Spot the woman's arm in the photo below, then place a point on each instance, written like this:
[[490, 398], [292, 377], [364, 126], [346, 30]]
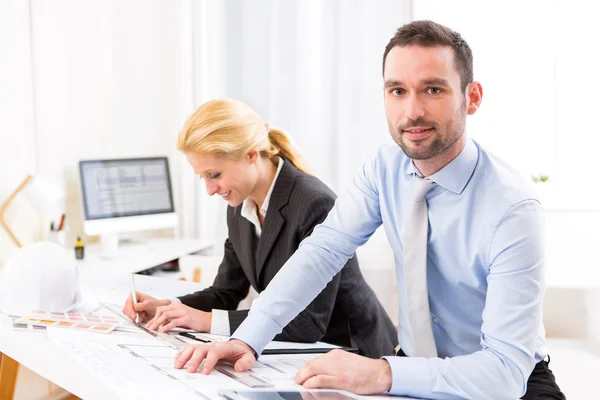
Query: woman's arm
[[230, 287]]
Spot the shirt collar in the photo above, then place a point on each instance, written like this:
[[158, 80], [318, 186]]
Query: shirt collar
[[249, 207], [454, 176]]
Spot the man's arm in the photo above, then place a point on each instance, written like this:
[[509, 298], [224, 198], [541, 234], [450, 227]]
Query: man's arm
[[311, 324], [351, 222], [512, 320]]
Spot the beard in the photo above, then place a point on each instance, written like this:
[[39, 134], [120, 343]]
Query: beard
[[444, 136]]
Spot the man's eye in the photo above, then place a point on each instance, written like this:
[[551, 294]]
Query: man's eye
[[434, 90], [397, 92]]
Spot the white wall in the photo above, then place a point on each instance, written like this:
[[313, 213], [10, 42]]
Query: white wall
[[108, 82], [572, 302], [536, 64]]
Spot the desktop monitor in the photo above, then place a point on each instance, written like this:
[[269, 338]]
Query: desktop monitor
[[126, 195]]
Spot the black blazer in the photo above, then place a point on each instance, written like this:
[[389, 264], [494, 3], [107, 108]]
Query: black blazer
[[345, 313]]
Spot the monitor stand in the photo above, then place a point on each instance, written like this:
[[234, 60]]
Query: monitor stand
[[113, 244], [109, 245]]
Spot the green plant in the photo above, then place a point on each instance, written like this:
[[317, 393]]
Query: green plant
[[540, 178]]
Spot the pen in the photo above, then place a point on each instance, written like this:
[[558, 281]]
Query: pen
[[134, 298], [61, 224], [189, 335]]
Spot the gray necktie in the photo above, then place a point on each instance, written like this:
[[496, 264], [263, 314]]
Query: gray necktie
[[414, 241]]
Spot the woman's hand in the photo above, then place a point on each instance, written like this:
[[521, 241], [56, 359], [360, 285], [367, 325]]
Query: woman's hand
[[146, 306], [179, 315]]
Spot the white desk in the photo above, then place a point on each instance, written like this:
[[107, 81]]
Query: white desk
[[38, 353], [139, 256]]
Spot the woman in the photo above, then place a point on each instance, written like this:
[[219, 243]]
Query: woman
[[274, 203]]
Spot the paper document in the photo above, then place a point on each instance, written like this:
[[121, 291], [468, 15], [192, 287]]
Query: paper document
[[111, 288], [137, 368], [140, 367], [274, 347]]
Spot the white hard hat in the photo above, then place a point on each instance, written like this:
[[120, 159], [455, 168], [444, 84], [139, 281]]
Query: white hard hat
[[40, 276]]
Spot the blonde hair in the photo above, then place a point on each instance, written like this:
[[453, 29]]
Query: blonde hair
[[231, 129]]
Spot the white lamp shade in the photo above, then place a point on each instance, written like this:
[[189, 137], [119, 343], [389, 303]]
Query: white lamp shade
[[43, 196]]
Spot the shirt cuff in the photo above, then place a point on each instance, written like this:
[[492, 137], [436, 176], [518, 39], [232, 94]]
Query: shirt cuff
[[175, 300], [410, 375], [220, 323], [256, 331]]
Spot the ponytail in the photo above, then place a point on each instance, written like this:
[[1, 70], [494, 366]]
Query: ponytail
[[282, 145]]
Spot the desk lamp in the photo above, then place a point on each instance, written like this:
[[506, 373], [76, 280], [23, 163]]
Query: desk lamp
[[41, 194]]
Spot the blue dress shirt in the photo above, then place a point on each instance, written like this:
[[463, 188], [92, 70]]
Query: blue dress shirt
[[485, 272]]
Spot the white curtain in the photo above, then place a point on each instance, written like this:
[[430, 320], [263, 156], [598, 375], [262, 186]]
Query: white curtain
[[18, 152], [312, 68], [88, 80]]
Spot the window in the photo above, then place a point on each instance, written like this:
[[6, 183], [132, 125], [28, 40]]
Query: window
[[536, 62]]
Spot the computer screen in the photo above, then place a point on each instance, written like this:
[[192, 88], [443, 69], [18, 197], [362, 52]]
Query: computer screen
[[127, 187], [126, 195]]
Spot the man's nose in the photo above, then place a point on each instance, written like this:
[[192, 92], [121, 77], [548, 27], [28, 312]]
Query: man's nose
[[414, 108]]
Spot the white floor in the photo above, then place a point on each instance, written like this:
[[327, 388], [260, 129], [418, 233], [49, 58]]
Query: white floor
[[576, 365]]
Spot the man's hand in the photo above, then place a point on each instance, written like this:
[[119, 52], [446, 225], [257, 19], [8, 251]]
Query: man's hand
[[235, 351], [177, 314], [145, 307], [342, 370]]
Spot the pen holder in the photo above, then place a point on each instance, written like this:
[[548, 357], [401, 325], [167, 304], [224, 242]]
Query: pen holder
[[58, 237]]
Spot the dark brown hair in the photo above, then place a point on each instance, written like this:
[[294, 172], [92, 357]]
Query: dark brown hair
[[431, 34]]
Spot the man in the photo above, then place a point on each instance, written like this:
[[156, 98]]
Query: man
[[467, 232]]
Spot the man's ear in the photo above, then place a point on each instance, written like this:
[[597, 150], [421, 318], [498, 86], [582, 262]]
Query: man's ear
[[474, 96]]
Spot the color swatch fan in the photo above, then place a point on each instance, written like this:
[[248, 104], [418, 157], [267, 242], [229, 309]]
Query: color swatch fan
[[81, 322]]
